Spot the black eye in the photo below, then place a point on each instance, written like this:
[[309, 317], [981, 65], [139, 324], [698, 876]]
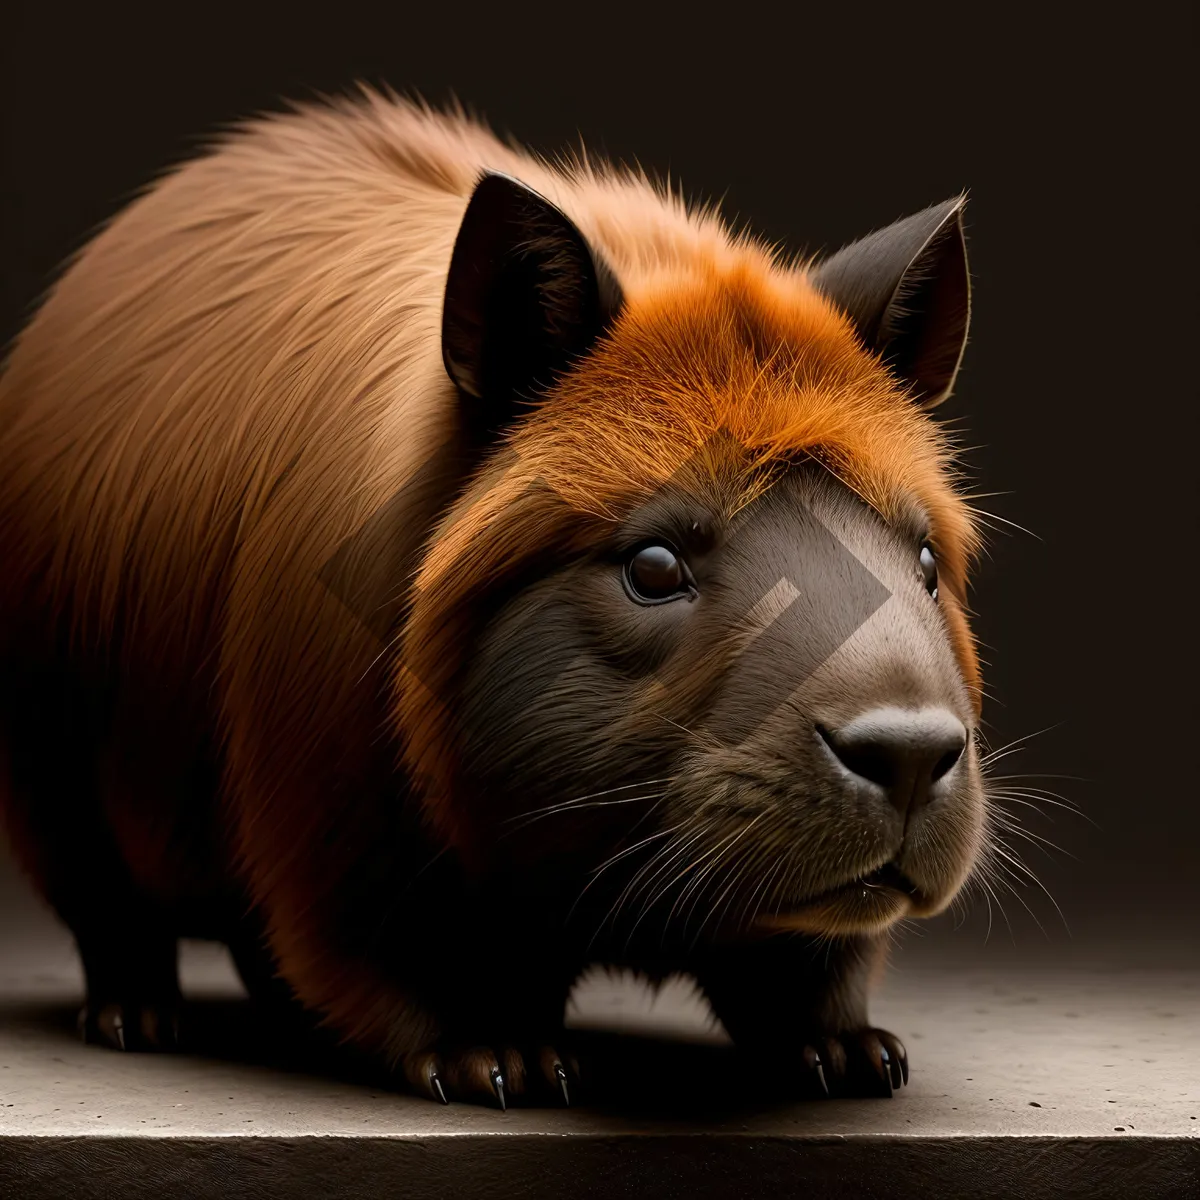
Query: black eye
[[656, 574], [929, 570]]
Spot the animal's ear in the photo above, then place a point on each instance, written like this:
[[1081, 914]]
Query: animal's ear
[[525, 295], [908, 290]]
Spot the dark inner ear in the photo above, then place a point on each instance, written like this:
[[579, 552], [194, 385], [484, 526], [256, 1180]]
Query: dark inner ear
[[525, 295], [908, 290]]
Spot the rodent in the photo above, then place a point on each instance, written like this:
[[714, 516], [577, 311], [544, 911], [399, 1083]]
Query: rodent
[[428, 564]]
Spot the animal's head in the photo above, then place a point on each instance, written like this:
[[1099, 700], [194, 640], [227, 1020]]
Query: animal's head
[[697, 624]]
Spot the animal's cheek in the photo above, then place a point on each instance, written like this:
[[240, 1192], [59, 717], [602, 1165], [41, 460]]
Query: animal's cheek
[[656, 643]]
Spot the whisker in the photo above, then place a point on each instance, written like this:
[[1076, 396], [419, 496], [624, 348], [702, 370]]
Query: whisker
[[703, 867], [991, 516], [558, 806], [1012, 822], [1043, 844], [986, 883], [1007, 883], [764, 890], [709, 742], [656, 864], [988, 899], [1035, 797], [708, 873], [1001, 799], [1011, 747], [658, 797], [696, 865], [737, 878], [1044, 775], [1010, 856], [701, 833], [614, 859]]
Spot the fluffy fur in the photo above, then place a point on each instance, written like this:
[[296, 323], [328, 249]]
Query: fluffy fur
[[243, 369]]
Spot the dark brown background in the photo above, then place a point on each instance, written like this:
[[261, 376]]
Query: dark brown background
[[1072, 131]]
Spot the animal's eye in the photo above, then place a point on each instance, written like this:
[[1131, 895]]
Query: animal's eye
[[655, 574], [929, 570]]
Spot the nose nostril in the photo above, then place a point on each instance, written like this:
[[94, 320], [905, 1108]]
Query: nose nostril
[[864, 757], [870, 762], [947, 762]]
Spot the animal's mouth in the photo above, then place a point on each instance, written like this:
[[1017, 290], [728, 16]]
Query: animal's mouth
[[865, 903], [888, 876]]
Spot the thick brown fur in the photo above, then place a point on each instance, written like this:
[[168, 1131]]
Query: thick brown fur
[[243, 369]]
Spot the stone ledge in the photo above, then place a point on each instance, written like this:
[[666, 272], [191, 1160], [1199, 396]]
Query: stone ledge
[[1025, 1083], [587, 1165]]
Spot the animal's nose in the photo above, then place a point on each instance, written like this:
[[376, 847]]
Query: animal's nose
[[904, 751]]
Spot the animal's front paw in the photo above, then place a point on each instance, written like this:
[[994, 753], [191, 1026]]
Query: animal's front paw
[[127, 1025], [867, 1062], [493, 1073]]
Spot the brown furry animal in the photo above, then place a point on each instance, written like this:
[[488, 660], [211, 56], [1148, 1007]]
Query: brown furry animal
[[427, 564]]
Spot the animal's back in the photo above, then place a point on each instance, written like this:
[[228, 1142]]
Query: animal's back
[[267, 312], [270, 307]]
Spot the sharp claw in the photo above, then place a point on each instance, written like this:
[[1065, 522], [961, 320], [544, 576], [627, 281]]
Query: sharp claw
[[812, 1060], [821, 1078], [435, 1082], [904, 1068], [885, 1061], [118, 1025], [498, 1087], [893, 1067], [560, 1073]]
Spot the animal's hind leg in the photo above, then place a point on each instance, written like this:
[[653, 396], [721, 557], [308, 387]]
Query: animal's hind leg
[[54, 812], [129, 955], [133, 997]]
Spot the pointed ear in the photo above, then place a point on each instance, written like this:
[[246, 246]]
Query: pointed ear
[[908, 291], [524, 296]]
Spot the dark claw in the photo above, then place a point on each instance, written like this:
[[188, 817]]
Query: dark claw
[[165, 1034], [102, 1026], [498, 1087], [435, 1082], [560, 1073], [899, 1061], [812, 1060], [821, 1078], [885, 1072]]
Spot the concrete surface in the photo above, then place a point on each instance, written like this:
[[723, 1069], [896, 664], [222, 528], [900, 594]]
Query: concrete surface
[[1079, 1082]]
